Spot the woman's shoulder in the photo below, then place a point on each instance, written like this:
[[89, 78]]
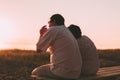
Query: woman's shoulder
[[84, 39], [84, 36]]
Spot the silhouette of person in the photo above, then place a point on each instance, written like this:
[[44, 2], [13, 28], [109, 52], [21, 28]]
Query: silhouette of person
[[65, 58], [90, 60]]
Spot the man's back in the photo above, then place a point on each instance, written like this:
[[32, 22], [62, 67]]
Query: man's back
[[66, 58]]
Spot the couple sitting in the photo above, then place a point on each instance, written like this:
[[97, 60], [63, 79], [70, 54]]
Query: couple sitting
[[71, 56]]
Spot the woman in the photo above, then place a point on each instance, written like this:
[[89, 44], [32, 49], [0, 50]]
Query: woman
[[90, 61]]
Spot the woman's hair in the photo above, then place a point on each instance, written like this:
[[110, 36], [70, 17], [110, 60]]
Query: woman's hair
[[75, 30], [58, 19]]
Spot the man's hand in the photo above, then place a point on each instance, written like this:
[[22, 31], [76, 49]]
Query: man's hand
[[43, 30]]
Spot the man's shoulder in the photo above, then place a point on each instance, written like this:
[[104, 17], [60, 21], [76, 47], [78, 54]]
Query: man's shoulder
[[56, 28]]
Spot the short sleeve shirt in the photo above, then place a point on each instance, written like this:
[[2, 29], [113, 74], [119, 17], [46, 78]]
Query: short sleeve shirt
[[65, 58]]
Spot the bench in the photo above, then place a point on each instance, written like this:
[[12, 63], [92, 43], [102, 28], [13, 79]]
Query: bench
[[106, 73]]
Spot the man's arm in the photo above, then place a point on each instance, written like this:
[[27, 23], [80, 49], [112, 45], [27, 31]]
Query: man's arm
[[46, 40], [42, 32]]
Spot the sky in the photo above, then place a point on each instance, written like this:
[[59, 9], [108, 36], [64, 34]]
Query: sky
[[21, 20]]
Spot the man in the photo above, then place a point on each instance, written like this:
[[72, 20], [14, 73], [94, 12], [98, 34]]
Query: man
[[65, 61]]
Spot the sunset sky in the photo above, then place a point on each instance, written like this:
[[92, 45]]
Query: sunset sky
[[20, 20]]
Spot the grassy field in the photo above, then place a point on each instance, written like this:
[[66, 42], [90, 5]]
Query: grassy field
[[18, 64]]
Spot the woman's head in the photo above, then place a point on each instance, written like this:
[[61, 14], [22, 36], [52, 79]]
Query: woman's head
[[75, 30]]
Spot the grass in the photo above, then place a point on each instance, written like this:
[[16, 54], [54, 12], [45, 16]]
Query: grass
[[18, 64], [109, 57]]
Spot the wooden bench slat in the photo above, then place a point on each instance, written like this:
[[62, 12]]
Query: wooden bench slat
[[117, 71], [108, 71], [109, 68], [103, 73], [99, 76]]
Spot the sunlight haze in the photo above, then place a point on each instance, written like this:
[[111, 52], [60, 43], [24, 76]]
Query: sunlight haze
[[21, 20]]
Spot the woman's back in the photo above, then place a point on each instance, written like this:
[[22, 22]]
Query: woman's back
[[89, 56]]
